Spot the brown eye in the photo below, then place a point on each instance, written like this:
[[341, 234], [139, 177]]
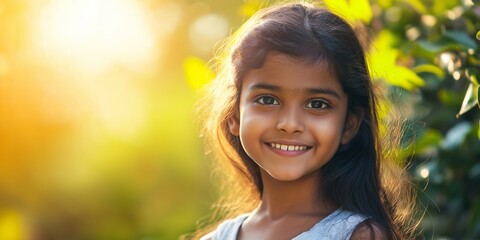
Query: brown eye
[[267, 100], [317, 104]]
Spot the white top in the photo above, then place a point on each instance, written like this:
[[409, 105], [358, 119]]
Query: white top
[[339, 225]]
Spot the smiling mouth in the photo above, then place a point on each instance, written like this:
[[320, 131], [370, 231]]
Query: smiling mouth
[[289, 147]]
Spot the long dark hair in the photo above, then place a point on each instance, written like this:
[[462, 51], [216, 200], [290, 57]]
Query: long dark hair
[[358, 177]]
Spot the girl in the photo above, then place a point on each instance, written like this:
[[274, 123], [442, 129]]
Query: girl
[[294, 117]]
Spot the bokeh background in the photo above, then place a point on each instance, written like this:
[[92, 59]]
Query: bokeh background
[[97, 137]]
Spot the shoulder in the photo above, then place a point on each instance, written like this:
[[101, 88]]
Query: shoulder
[[368, 230], [208, 236], [338, 225], [227, 229]]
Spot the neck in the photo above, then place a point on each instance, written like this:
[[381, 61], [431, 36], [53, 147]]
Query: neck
[[298, 197]]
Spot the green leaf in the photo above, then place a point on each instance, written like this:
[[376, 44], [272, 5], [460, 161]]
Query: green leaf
[[417, 5], [470, 100], [385, 3], [473, 60], [456, 135], [361, 10], [475, 171], [478, 131], [434, 47], [472, 75], [450, 98], [382, 63], [440, 7], [474, 212], [430, 47], [407, 77], [351, 10], [462, 38], [197, 72], [474, 80], [430, 68], [442, 45], [428, 140], [341, 8], [385, 40]]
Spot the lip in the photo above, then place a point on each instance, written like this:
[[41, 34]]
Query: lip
[[288, 147]]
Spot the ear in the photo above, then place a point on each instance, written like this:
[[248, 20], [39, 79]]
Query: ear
[[352, 124], [234, 124]]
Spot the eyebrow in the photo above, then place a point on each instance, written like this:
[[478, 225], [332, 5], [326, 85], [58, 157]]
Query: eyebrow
[[324, 91], [327, 91]]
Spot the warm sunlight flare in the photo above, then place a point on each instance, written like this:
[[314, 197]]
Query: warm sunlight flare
[[206, 31], [94, 35], [424, 172], [99, 49]]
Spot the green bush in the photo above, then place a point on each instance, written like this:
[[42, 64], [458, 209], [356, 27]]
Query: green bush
[[439, 41]]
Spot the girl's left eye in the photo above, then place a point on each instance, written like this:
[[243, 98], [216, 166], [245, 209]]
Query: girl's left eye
[[317, 104], [267, 100]]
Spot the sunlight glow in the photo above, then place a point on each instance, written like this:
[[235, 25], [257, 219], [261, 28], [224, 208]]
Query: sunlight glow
[[429, 20], [424, 172], [94, 35], [206, 31], [4, 65], [12, 225], [468, 3], [455, 13], [413, 33], [123, 107], [456, 75], [446, 61]]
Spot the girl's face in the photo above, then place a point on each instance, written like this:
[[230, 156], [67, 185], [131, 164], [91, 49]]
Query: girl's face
[[292, 117]]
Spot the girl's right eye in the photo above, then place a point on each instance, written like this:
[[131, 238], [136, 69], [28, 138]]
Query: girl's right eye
[[267, 100]]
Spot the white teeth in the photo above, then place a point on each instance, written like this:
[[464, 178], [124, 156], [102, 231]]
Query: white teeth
[[288, 147]]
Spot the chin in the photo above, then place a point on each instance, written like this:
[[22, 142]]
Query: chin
[[286, 176], [291, 174]]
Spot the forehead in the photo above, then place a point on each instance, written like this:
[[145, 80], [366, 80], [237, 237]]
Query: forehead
[[289, 73]]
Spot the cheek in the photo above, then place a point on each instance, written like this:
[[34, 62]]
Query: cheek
[[329, 129], [252, 120], [251, 129]]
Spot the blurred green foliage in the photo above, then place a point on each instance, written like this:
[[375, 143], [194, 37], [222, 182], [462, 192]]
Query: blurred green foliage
[[438, 42], [441, 46], [428, 54]]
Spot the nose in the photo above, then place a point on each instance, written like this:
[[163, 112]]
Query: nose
[[290, 120]]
